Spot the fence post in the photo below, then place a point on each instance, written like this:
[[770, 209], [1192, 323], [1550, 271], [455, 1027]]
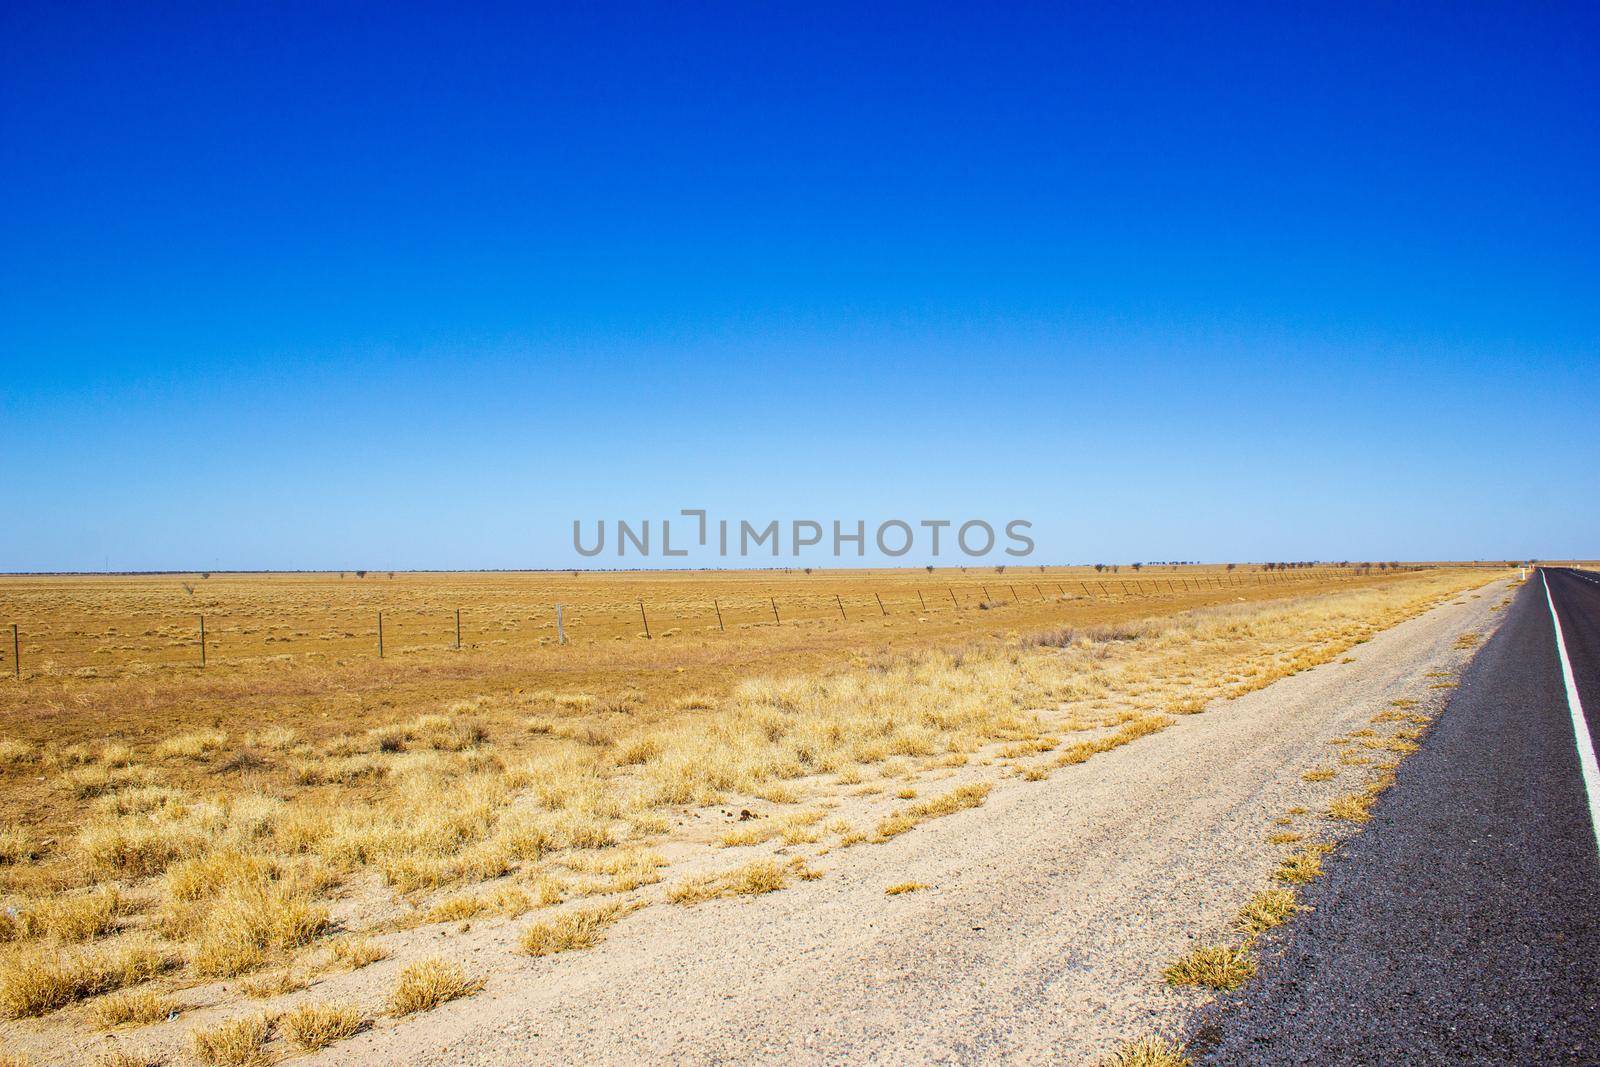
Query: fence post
[[775, 611], [1014, 598], [645, 617], [880, 604], [839, 602], [202, 642], [458, 629], [380, 635], [985, 593], [718, 607], [1036, 589], [561, 632], [16, 652], [953, 599], [924, 603]]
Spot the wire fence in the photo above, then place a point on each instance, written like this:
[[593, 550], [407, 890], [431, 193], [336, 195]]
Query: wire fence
[[241, 634]]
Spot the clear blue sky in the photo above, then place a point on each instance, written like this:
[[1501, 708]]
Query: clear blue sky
[[388, 286]]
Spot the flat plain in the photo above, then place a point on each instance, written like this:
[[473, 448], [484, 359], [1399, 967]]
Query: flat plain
[[301, 841]]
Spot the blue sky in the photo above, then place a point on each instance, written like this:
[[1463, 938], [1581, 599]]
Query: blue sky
[[392, 286]]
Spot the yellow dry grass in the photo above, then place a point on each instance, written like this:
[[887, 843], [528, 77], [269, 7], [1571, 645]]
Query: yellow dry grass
[[137, 1007], [577, 928], [314, 1026], [1151, 1050], [162, 817], [1266, 910], [239, 1042], [1213, 966], [429, 983]]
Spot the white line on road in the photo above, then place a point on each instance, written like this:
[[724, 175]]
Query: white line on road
[[1580, 726]]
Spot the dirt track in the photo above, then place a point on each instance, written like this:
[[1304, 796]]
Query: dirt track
[[1050, 914]]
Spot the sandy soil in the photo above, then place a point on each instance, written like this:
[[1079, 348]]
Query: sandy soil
[[1049, 914]]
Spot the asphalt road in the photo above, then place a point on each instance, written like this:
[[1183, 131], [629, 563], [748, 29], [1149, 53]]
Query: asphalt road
[[1463, 924]]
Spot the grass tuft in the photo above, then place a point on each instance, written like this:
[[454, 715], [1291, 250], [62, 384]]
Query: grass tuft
[[573, 929], [314, 1026], [237, 1042], [1357, 808], [1303, 867], [429, 983], [1264, 911], [138, 1007], [1213, 966], [1152, 1050]]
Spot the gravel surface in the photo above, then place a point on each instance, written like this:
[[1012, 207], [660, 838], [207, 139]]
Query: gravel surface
[[1463, 925], [1050, 914]]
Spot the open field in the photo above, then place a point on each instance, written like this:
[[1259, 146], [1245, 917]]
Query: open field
[[189, 848]]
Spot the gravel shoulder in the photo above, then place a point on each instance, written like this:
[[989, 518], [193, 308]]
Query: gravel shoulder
[[1049, 914]]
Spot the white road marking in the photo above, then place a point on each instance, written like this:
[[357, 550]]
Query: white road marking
[[1580, 726]]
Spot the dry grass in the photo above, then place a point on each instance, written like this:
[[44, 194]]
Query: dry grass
[[237, 1042], [426, 984], [353, 953], [1152, 1050], [1213, 966], [905, 887], [1320, 774], [118, 1058], [1264, 911], [40, 980], [572, 929], [752, 879], [1303, 867], [314, 1026], [268, 986], [1356, 808], [136, 1007]]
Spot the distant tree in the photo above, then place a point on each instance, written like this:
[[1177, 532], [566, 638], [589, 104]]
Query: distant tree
[[361, 574], [929, 568], [1232, 565], [1137, 567], [808, 570], [205, 574], [1001, 569], [1099, 568]]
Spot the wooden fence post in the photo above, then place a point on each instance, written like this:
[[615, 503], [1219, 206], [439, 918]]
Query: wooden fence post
[[380, 635], [16, 652], [839, 602], [202, 642], [458, 629], [953, 599], [718, 608], [924, 603], [645, 617], [775, 611], [880, 604], [561, 630]]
